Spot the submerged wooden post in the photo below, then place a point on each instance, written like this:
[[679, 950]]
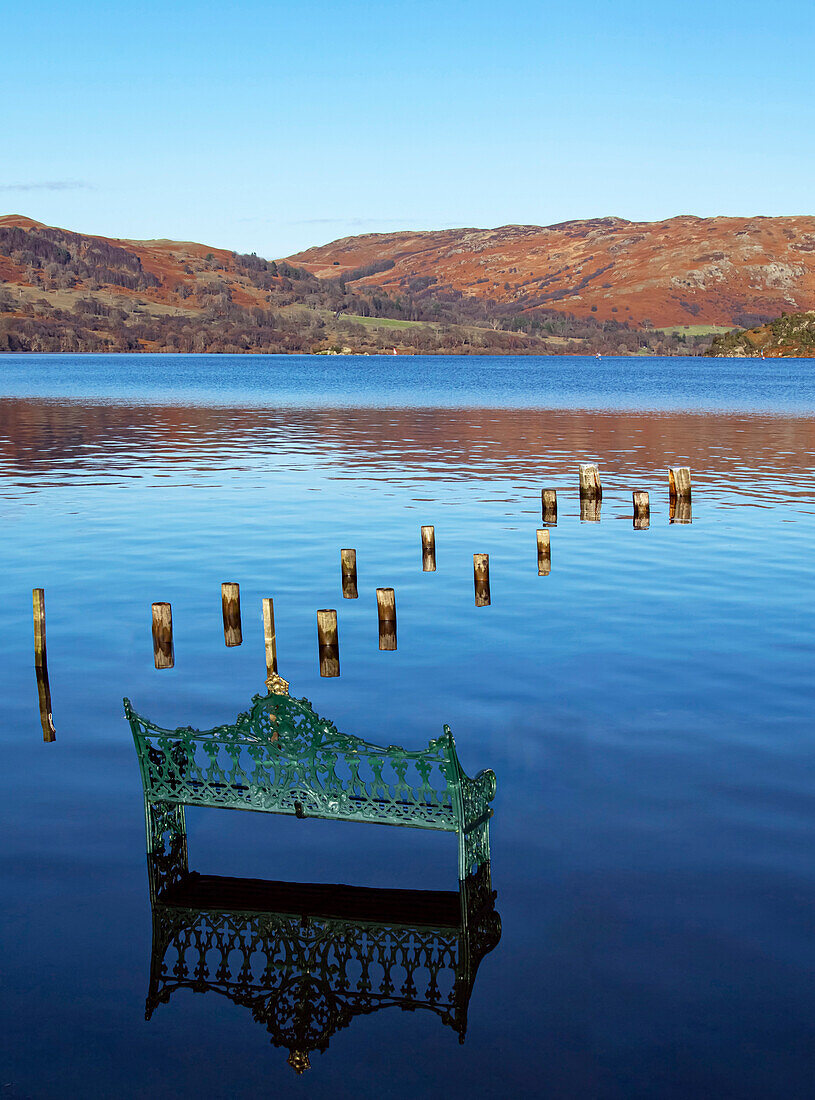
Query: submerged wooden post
[[679, 482], [429, 549], [591, 492], [348, 567], [679, 489], [544, 553], [163, 651], [327, 627], [44, 691], [590, 487], [386, 604], [386, 612], [328, 642], [231, 602], [269, 636], [642, 510], [549, 505], [38, 596], [481, 579], [41, 665]]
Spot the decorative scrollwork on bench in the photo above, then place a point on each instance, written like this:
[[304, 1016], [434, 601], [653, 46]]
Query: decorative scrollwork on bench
[[282, 757]]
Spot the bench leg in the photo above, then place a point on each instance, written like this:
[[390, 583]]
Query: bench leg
[[166, 845], [473, 849]]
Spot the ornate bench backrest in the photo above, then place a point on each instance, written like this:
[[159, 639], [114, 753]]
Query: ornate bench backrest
[[282, 757]]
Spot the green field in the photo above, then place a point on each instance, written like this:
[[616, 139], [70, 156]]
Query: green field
[[695, 330], [368, 322], [383, 322]]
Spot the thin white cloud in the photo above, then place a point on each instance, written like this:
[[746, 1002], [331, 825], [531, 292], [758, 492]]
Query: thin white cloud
[[47, 185]]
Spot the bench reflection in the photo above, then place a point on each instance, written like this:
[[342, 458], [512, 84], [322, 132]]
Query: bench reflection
[[305, 959]]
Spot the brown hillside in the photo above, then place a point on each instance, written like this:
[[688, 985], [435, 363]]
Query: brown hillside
[[686, 270], [62, 291], [175, 264]]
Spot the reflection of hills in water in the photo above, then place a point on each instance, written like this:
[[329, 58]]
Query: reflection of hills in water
[[117, 439], [306, 959]]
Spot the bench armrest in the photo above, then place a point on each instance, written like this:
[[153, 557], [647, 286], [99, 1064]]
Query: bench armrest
[[476, 796]]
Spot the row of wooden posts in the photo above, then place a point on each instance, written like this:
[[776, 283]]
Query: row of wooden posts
[[327, 629], [591, 493]]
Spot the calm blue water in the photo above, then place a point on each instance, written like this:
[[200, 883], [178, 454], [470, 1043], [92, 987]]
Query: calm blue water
[[647, 707], [419, 381]]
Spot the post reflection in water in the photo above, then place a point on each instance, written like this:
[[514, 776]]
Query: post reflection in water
[[590, 508], [307, 958], [387, 634], [329, 660], [44, 692], [680, 510]]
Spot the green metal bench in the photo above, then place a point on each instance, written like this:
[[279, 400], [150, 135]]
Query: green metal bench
[[282, 757]]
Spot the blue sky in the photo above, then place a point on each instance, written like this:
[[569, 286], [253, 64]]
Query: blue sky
[[269, 127]]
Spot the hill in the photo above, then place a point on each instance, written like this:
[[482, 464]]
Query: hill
[[72, 292], [683, 271], [789, 336], [604, 285]]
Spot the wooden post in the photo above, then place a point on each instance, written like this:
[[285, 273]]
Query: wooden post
[[481, 579], [328, 642], [642, 510], [348, 567], [386, 604], [327, 633], [679, 483], [386, 611], [231, 602], [44, 691], [38, 595], [590, 487], [544, 553], [429, 549], [679, 490], [549, 505], [163, 651], [41, 665], [269, 636]]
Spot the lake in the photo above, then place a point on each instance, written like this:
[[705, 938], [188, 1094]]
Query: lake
[[646, 707]]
